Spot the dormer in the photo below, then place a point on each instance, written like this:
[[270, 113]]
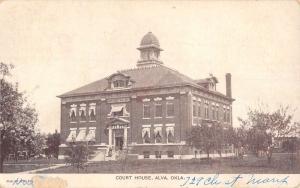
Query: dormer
[[118, 81], [209, 83]]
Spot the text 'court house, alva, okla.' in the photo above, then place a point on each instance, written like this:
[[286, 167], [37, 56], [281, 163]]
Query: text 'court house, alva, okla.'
[[144, 112]]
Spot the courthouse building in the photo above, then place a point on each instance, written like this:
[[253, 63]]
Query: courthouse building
[[146, 111]]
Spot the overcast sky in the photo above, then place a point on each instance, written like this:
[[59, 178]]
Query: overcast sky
[[59, 46]]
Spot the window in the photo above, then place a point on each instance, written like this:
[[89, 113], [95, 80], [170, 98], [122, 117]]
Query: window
[[170, 154], [217, 113], [194, 110], [213, 112], [119, 83], [118, 110], [224, 114], [72, 135], [146, 135], [82, 112], [228, 116], [199, 110], [158, 134], [91, 136], [92, 115], [194, 121], [72, 114], [158, 110], [170, 109], [118, 113], [206, 111], [92, 112], [170, 134], [146, 154], [158, 154], [146, 111], [81, 135]]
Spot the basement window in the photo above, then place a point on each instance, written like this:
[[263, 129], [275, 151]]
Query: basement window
[[158, 154], [146, 154], [170, 154]]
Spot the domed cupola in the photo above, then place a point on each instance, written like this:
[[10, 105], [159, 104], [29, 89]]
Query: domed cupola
[[149, 39], [149, 51]]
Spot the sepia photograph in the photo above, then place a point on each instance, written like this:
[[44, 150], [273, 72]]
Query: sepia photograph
[[129, 88]]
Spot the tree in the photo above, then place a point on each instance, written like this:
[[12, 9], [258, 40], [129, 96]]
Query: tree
[[264, 125], [37, 145], [77, 156], [289, 145], [207, 137], [16, 115], [53, 142], [258, 139]]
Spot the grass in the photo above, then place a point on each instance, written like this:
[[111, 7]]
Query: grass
[[35, 161], [281, 163], [12, 166]]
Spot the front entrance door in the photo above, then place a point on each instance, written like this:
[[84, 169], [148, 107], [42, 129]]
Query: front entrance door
[[119, 143]]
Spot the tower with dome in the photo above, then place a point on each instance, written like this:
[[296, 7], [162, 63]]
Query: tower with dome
[[144, 112], [150, 51]]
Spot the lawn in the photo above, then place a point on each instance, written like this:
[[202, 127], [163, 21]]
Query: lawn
[[12, 166], [281, 163]]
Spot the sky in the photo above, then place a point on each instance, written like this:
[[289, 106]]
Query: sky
[[57, 46]]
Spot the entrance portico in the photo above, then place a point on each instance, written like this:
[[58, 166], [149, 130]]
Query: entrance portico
[[117, 133]]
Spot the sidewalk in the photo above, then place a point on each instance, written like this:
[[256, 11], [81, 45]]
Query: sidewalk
[[42, 169]]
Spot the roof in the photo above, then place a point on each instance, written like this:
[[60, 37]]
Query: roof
[[143, 77], [202, 81], [149, 39]]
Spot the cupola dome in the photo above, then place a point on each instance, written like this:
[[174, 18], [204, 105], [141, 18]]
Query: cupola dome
[[149, 51], [149, 39]]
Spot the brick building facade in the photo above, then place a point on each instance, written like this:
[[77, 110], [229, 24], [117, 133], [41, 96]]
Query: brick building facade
[[146, 111]]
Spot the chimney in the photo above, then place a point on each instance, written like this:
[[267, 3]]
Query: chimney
[[228, 85]]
